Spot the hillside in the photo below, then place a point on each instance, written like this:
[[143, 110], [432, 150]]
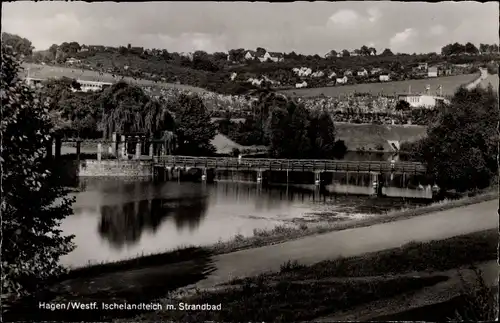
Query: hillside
[[46, 71]]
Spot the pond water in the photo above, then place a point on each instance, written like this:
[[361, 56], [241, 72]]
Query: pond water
[[117, 219]]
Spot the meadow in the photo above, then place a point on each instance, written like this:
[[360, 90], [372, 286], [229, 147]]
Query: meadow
[[449, 84], [370, 136]]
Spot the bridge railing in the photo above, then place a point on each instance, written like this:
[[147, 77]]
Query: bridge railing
[[290, 164]]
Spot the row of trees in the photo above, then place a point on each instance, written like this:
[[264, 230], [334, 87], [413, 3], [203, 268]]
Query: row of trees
[[287, 128], [126, 108], [468, 49]]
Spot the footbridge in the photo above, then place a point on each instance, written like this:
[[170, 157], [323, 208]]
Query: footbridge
[[294, 165]]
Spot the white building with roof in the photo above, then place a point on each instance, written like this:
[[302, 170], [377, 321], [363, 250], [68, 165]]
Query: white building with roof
[[422, 100]]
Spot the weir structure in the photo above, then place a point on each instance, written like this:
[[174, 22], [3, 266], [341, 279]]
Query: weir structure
[[376, 176], [380, 178]]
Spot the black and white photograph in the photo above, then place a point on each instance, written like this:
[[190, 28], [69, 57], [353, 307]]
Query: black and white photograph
[[249, 161]]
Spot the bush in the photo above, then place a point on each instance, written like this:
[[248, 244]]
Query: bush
[[31, 241]]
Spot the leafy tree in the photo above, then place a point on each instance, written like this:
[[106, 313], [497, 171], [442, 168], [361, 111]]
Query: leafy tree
[[20, 45], [332, 53], [288, 131], [372, 50], [470, 48], [402, 105], [53, 50], [260, 51], [322, 136], [220, 56], [364, 50], [126, 108], [387, 52], [345, 53], [237, 55], [460, 148], [33, 201], [194, 127]]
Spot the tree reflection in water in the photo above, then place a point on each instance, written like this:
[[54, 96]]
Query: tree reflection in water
[[124, 224]]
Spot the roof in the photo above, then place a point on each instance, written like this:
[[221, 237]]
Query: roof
[[276, 54]]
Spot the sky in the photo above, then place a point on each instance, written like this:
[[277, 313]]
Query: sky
[[303, 27]]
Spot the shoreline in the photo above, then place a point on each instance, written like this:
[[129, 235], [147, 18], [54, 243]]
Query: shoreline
[[260, 238]]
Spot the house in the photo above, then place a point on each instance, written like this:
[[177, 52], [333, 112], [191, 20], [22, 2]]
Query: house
[[372, 53], [342, 80], [332, 75], [432, 71], [301, 85], [303, 71], [275, 57], [249, 55], [348, 73], [420, 100], [423, 66], [318, 74], [363, 72], [384, 78], [90, 86], [72, 60]]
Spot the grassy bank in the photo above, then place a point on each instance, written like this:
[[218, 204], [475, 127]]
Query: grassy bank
[[276, 235], [305, 293]]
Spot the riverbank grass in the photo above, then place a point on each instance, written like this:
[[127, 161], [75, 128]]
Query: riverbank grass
[[299, 292]]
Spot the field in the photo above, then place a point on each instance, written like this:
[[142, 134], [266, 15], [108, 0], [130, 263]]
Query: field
[[45, 71], [369, 136], [449, 83]]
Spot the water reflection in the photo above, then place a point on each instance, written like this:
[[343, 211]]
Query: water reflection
[[117, 219], [124, 224]]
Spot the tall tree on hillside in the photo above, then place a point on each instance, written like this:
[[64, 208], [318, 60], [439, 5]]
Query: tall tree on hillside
[[345, 53], [387, 52], [260, 51], [364, 50], [237, 55], [220, 56], [332, 53], [33, 201], [194, 127], [470, 48]]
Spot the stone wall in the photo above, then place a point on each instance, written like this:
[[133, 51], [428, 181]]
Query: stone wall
[[115, 168]]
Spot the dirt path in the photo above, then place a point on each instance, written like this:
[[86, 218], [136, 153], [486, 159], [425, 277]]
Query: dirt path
[[352, 242]]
